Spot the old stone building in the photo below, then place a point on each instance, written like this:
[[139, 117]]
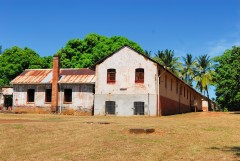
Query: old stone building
[[129, 83], [57, 89], [125, 83]]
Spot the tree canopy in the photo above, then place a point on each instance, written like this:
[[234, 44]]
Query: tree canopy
[[227, 79], [166, 58], [84, 53], [15, 60], [189, 69]]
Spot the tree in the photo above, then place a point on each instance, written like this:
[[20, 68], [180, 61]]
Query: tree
[[84, 53], [166, 58], [15, 60], [205, 74], [227, 79], [147, 53], [189, 69]]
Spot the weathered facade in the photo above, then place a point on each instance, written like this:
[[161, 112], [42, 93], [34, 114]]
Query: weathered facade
[[129, 83], [125, 83], [69, 89]]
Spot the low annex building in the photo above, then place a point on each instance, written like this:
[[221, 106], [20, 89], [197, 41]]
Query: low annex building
[[125, 83], [56, 89], [6, 93]]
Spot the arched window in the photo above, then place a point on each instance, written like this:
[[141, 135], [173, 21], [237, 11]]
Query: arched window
[[139, 75], [111, 75]]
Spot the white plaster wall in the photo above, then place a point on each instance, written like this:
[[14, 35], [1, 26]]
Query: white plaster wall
[[125, 62], [7, 91], [82, 96], [20, 95], [125, 103]]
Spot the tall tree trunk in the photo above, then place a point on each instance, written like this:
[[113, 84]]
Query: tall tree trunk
[[209, 105]]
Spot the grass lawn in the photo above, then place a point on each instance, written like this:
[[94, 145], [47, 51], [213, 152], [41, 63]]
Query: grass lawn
[[193, 136]]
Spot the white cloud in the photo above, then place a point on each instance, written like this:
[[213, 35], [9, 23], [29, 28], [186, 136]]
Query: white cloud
[[218, 47]]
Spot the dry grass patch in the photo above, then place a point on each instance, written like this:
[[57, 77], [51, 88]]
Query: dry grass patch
[[192, 136]]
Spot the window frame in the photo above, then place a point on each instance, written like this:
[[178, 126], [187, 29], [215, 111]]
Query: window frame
[[48, 93], [137, 108], [110, 107], [139, 75], [111, 73], [67, 97], [31, 98]]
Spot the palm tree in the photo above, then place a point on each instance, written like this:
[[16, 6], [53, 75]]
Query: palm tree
[[147, 53], [166, 58], [205, 74], [189, 69]]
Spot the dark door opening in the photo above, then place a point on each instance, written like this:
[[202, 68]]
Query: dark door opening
[[138, 108], [110, 107], [8, 101]]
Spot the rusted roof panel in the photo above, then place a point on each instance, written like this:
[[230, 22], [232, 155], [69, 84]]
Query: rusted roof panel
[[83, 71], [32, 76], [44, 76], [72, 79]]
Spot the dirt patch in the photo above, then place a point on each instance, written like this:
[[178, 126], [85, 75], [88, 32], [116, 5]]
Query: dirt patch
[[97, 123], [7, 121], [141, 130]]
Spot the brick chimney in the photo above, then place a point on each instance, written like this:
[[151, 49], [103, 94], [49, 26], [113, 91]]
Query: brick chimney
[[55, 79]]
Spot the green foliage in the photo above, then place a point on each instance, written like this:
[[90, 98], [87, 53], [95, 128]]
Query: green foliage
[[205, 73], [147, 53], [84, 53], [225, 109], [166, 58], [227, 79], [189, 69], [15, 60]]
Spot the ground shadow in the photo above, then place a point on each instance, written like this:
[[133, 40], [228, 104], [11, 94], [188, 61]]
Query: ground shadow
[[237, 112], [234, 149]]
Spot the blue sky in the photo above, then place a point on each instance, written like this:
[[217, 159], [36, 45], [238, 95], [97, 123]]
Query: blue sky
[[186, 26]]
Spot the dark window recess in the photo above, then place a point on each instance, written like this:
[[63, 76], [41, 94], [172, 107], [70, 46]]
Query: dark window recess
[[184, 91], [159, 75], [67, 95], [138, 108], [30, 95], [110, 107], [48, 95], [111, 75], [165, 81], [176, 86], [139, 75], [180, 89]]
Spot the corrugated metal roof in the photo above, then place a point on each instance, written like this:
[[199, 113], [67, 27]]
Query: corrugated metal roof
[[44, 76], [77, 79], [73, 76], [32, 76]]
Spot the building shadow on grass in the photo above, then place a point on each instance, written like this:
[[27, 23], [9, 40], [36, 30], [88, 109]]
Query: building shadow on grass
[[234, 149]]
